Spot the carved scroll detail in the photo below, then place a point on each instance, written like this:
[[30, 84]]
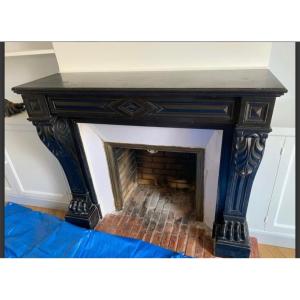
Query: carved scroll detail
[[249, 149], [55, 134]]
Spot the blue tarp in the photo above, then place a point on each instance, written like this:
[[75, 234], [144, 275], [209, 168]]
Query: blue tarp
[[34, 234]]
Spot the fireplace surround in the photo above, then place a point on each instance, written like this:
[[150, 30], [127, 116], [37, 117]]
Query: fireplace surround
[[95, 138], [239, 102]]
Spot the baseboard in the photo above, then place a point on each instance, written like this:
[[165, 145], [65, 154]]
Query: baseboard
[[274, 238], [25, 200]]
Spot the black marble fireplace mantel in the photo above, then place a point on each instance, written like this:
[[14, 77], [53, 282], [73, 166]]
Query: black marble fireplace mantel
[[239, 102]]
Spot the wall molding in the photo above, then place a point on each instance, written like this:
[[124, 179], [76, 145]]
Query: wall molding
[[274, 238], [36, 200]]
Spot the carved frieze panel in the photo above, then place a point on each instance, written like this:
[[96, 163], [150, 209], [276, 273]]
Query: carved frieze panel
[[221, 110]]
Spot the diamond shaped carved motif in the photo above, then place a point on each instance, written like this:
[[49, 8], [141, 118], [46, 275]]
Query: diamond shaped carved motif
[[134, 108], [130, 108], [256, 112]]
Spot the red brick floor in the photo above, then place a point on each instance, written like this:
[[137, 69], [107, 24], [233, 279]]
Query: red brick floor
[[166, 218]]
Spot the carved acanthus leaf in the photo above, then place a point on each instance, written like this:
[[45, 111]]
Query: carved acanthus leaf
[[248, 152]]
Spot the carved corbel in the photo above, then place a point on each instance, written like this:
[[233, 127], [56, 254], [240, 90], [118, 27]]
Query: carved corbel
[[247, 151], [58, 136], [248, 148]]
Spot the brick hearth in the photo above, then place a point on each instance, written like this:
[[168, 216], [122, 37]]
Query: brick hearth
[[165, 217]]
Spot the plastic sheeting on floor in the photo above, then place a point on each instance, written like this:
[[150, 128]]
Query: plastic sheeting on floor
[[30, 233]]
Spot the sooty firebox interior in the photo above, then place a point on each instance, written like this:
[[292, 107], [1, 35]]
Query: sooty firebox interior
[[174, 170]]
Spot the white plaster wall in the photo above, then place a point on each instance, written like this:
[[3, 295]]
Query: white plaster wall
[[131, 56], [93, 136], [282, 64], [21, 69]]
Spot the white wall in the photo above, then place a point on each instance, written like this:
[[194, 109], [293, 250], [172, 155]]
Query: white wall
[[130, 56], [282, 64], [21, 69]]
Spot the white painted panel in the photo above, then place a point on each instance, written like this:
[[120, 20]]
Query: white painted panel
[[281, 216], [286, 211], [263, 184], [159, 136], [96, 157], [271, 213], [12, 185], [7, 185], [6, 181], [129, 56], [36, 169], [211, 176]]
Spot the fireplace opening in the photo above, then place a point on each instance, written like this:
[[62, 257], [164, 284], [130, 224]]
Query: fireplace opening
[[157, 178]]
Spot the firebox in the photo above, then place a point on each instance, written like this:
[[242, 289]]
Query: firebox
[[177, 170]]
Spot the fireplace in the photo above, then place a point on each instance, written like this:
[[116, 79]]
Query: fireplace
[[239, 103]]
